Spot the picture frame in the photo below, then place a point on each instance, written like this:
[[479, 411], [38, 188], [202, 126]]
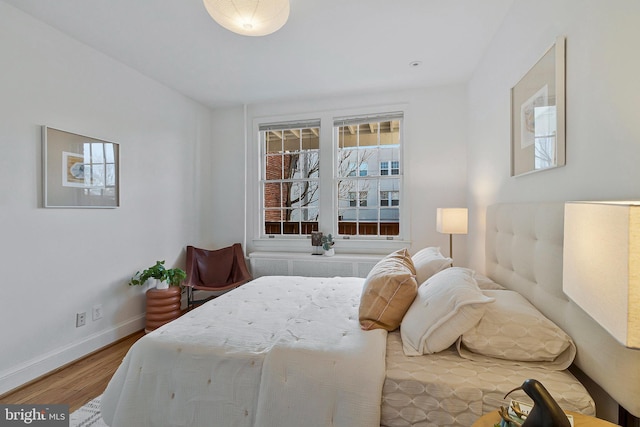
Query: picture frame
[[538, 114], [316, 242], [79, 171]]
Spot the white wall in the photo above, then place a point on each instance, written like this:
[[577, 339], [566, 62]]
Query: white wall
[[602, 94], [57, 262], [225, 223], [435, 138]]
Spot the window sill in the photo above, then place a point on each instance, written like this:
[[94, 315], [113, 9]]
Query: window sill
[[342, 246]]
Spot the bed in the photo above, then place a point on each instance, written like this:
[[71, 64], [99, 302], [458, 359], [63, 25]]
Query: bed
[[288, 351]]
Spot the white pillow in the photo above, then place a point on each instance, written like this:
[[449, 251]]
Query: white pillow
[[429, 261], [447, 305], [486, 283], [513, 329]]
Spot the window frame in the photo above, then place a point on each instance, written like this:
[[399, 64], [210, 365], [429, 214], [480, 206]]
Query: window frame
[[283, 182], [328, 221]]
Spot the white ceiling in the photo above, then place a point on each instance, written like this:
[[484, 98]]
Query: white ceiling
[[327, 47]]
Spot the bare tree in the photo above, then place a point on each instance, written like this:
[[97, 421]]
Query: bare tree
[[307, 166]]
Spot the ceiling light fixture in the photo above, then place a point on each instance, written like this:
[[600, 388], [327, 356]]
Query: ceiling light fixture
[[249, 17]]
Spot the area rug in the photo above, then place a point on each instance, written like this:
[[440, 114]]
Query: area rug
[[88, 415]]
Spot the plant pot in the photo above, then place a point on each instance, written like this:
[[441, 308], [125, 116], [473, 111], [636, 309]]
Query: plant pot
[[329, 252], [157, 284], [163, 306]]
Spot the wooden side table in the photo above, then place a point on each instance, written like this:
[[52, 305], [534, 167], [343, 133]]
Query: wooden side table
[[579, 420], [163, 306]]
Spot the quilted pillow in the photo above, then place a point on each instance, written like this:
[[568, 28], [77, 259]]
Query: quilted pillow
[[486, 283], [513, 329], [389, 289], [448, 304], [429, 261]]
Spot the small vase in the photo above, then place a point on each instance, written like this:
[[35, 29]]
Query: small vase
[[329, 252], [157, 284]]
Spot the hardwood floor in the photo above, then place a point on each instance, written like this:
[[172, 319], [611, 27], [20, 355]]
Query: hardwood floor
[[76, 383]]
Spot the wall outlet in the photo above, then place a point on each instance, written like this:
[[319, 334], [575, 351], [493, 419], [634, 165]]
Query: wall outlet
[[81, 319], [96, 312]]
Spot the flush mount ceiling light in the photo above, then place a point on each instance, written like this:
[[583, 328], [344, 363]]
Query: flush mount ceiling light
[[249, 17]]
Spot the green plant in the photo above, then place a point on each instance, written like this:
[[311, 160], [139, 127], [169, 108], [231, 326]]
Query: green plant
[[327, 242], [173, 276]]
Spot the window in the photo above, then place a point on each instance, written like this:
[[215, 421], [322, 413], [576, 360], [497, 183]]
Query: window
[[384, 168], [361, 169], [290, 179], [99, 169], [358, 198], [395, 168], [368, 202], [389, 198], [342, 176]]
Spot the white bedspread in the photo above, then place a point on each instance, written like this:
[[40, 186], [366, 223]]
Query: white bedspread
[[276, 352]]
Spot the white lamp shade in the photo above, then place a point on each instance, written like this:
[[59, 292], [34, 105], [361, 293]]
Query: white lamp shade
[[452, 220], [601, 264], [249, 17]]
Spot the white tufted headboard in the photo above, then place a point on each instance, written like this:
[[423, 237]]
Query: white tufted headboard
[[524, 253]]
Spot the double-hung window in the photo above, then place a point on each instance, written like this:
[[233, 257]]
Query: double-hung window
[[290, 178], [368, 200], [347, 182]]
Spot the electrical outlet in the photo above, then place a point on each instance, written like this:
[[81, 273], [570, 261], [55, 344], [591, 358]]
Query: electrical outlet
[[81, 319], [96, 312]]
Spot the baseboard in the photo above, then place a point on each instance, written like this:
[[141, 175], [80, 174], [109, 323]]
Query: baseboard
[[48, 362]]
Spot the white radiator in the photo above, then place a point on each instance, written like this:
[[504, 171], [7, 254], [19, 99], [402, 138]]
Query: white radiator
[[301, 264]]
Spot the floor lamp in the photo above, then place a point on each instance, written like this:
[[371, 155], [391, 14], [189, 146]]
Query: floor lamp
[[452, 221]]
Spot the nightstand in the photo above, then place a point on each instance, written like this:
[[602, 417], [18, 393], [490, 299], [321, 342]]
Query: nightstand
[[490, 419]]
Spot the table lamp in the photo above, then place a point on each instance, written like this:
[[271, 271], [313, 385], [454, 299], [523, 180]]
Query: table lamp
[[601, 265]]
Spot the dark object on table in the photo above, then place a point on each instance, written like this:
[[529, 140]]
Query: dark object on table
[[545, 411]]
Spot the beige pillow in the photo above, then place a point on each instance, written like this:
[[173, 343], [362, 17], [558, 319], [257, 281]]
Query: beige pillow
[[513, 329], [389, 290], [448, 304], [429, 261]]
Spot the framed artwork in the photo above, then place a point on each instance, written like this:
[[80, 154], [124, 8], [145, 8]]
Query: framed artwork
[[538, 114], [316, 242], [79, 171]]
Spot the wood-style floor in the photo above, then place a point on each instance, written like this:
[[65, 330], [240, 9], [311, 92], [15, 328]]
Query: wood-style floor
[[76, 383]]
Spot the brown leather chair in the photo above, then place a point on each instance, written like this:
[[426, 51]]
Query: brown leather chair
[[214, 271]]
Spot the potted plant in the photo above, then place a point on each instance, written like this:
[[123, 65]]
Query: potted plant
[[162, 276], [163, 301], [327, 245]]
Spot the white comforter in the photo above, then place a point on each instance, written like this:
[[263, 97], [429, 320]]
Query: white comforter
[[276, 352]]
